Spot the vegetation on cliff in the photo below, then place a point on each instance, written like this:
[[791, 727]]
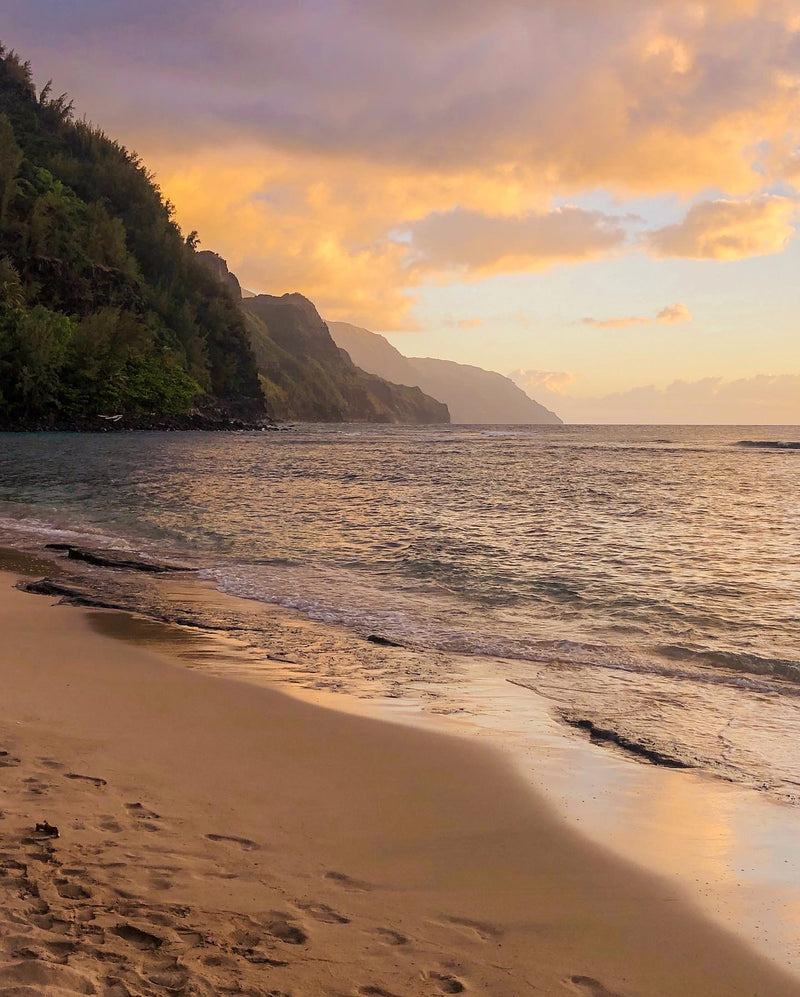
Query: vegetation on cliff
[[306, 376], [104, 306]]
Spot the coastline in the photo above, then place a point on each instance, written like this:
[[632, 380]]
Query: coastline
[[299, 849]]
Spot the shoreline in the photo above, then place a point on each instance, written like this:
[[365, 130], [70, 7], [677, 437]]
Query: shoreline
[[317, 816], [727, 850]]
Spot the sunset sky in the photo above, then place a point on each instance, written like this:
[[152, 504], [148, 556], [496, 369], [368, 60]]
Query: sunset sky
[[598, 195]]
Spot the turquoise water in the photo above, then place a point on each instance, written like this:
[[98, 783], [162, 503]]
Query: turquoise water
[[619, 570]]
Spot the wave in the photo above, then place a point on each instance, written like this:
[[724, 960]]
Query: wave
[[409, 617], [737, 661], [770, 444], [20, 532]]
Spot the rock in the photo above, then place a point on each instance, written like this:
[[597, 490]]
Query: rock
[[383, 641], [113, 559]]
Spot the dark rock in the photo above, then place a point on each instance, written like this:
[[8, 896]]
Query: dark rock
[[112, 559], [208, 415], [383, 641], [219, 268], [68, 593], [605, 735]]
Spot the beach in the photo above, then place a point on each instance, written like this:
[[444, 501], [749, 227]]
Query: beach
[[218, 837]]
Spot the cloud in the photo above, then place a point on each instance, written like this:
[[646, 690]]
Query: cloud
[[303, 224], [475, 243], [764, 399], [618, 322], [725, 229], [464, 323], [297, 135], [631, 95], [669, 315], [552, 381]]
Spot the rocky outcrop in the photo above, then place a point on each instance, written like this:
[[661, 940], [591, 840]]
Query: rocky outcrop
[[473, 395], [114, 559], [209, 415], [306, 376], [219, 267]]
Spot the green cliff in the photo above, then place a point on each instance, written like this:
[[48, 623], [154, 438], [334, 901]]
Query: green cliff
[[107, 310], [306, 376], [103, 306]]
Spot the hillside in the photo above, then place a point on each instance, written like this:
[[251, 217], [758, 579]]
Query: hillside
[[473, 395], [306, 376], [103, 305]]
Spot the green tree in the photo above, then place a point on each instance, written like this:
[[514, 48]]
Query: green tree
[[11, 157], [33, 347]]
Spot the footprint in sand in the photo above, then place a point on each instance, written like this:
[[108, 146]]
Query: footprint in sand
[[35, 786], [138, 937], [588, 986], [246, 843], [50, 763], [93, 779], [392, 937], [7, 760], [447, 983], [190, 937], [109, 824], [286, 932], [324, 913], [372, 991], [140, 811], [485, 931], [348, 882], [71, 891], [146, 818], [172, 978], [160, 883], [32, 976]]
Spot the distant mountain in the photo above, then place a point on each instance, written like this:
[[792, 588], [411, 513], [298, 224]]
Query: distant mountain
[[473, 395], [305, 376]]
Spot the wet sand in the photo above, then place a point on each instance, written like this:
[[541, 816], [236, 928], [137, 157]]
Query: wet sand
[[218, 837]]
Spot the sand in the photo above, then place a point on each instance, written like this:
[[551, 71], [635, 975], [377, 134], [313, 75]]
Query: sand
[[217, 837]]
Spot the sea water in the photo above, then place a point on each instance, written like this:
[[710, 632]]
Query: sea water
[[639, 584], [644, 580]]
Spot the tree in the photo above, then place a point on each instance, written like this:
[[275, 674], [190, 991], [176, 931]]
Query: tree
[[11, 157]]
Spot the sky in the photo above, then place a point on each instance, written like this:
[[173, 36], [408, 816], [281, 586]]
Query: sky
[[600, 196]]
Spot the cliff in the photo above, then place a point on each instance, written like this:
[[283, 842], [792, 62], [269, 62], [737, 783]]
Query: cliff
[[472, 395], [104, 306], [306, 376]]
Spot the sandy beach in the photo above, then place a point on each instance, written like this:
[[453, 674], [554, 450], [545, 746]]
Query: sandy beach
[[217, 837]]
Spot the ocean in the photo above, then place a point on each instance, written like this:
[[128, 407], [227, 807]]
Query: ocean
[[644, 581]]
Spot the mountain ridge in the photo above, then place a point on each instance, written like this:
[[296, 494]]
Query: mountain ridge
[[474, 396], [292, 344], [304, 375]]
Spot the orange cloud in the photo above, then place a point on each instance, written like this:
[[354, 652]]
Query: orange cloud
[[321, 228], [672, 314], [669, 315], [725, 229], [537, 381], [471, 242], [355, 181]]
